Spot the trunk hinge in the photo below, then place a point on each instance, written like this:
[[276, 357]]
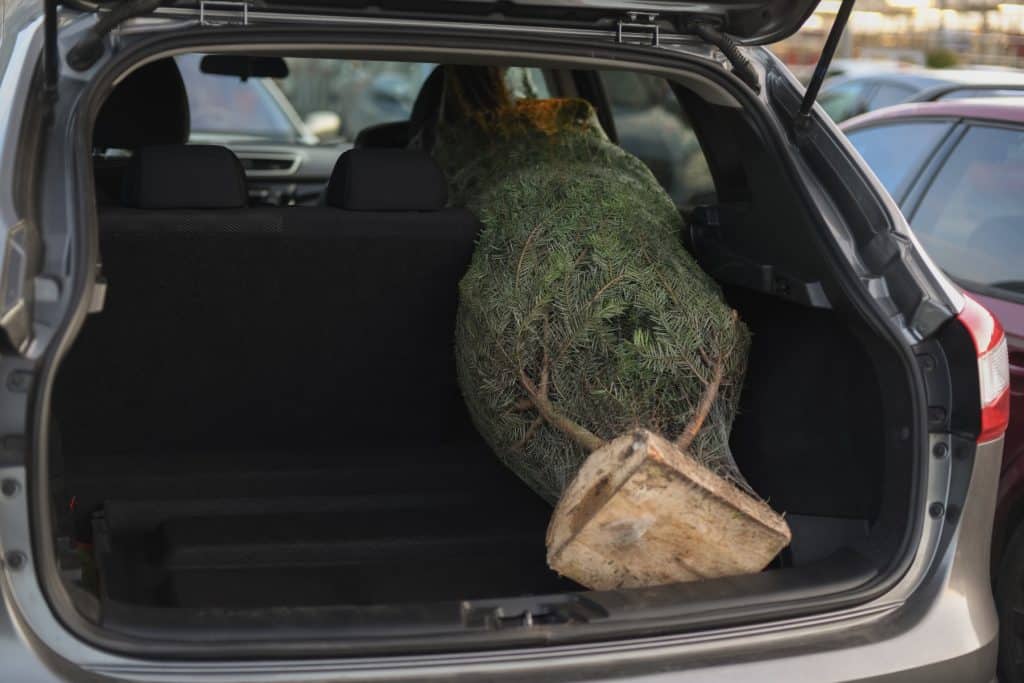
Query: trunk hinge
[[803, 116], [226, 13], [638, 28]]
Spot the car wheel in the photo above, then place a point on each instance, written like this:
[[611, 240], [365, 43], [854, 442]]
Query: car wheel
[[1010, 604]]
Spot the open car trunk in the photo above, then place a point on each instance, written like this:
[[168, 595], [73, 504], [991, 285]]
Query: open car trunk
[[222, 449], [262, 426]]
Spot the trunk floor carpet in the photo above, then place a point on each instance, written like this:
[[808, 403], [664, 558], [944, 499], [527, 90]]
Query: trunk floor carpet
[[313, 530]]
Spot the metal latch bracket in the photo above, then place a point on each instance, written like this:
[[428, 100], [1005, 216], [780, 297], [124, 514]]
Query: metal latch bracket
[[638, 28], [216, 13]]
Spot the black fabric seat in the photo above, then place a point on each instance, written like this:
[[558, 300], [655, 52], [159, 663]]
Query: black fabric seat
[[167, 360], [231, 329], [149, 107], [265, 412], [374, 295]]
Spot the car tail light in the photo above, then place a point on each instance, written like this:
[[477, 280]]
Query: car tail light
[[993, 368]]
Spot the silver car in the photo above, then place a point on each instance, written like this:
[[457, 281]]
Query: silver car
[[232, 445]]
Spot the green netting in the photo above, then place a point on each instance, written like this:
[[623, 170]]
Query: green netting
[[581, 315]]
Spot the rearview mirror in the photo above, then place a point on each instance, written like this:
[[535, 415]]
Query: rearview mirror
[[244, 66], [324, 124]]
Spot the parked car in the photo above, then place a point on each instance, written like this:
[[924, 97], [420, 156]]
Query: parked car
[[233, 445], [846, 96], [957, 171], [848, 67]]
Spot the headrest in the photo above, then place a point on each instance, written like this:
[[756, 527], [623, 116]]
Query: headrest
[[393, 135], [386, 180], [428, 100], [423, 118], [149, 107], [185, 177], [427, 109]]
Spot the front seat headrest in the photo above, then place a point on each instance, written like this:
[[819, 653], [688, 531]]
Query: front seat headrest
[[386, 180], [149, 107], [397, 134], [428, 100], [185, 177], [393, 135]]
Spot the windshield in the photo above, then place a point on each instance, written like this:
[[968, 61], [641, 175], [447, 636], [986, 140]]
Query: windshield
[[227, 107]]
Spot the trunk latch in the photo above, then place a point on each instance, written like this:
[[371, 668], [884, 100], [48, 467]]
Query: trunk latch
[[494, 615], [638, 28]]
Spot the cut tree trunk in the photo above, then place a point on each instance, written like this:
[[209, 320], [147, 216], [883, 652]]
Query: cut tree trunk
[[640, 512]]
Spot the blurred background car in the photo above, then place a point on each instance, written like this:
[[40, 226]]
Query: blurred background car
[[870, 89], [956, 169], [847, 67]]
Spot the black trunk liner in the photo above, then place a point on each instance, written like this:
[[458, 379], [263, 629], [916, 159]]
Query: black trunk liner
[[441, 524]]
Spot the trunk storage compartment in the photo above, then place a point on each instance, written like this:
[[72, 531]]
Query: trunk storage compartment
[[430, 533], [337, 519], [261, 435]]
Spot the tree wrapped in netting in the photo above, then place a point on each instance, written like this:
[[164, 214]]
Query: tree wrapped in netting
[[581, 315]]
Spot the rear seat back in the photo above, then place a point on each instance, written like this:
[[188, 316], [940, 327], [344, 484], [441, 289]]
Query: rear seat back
[[376, 297], [190, 277], [227, 327]]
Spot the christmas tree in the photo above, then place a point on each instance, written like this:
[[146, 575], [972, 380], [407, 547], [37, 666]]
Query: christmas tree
[[582, 315]]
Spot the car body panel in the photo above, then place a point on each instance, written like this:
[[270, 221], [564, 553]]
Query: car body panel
[[1002, 111], [1010, 503], [944, 629], [935, 623]]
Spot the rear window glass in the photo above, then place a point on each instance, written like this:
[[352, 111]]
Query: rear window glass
[[366, 93], [895, 150], [363, 93], [971, 220]]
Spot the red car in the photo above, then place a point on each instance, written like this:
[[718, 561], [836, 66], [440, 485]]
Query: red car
[[956, 169]]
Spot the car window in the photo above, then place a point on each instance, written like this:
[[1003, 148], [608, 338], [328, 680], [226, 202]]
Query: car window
[[368, 93], [842, 101], [652, 126], [362, 93], [971, 219], [523, 82], [888, 94], [895, 150], [227, 106]]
